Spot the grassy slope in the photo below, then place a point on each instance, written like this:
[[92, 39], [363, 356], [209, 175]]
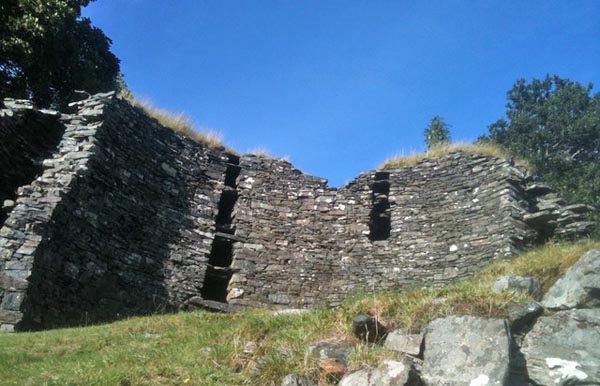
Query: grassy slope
[[201, 348]]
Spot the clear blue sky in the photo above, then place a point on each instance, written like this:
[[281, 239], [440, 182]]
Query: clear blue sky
[[339, 86]]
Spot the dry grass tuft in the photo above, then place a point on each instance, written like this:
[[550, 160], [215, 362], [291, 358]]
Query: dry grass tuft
[[178, 122], [262, 152], [487, 149]]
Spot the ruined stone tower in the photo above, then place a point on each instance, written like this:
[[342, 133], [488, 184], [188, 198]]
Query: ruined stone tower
[[106, 214]]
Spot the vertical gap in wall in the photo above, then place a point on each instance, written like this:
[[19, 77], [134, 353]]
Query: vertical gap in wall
[[380, 219], [218, 271]]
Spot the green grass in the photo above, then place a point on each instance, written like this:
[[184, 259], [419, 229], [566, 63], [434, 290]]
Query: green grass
[[491, 150], [202, 348]]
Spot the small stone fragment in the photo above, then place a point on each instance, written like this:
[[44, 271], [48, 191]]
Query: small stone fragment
[[297, 380], [368, 329], [330, 350], [407, 343]]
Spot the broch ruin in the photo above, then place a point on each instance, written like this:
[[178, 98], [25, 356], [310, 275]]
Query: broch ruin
[[106, 214]]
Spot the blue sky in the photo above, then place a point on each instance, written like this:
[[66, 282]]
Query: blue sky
[[339, 86]]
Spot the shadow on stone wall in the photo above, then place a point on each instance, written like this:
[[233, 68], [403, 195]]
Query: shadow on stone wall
[[105, 253], [26, 139]]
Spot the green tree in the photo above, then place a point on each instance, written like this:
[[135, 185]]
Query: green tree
[[47, 50], [437, 133], [554, 123]]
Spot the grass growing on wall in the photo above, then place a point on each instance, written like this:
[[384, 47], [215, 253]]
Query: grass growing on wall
[[207, 349], [262, 152], [178, 122], [486, 149]]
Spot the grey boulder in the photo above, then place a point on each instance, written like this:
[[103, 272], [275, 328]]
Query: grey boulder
[[330, 350], [466, 350], [388, 373], [579, 287], [406, 343], [564, 349], [524, 284]]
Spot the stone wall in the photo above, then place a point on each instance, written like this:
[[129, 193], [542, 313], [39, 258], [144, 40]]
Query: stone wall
[[120, 222], [306, 243], [27, 137], [126, 217]]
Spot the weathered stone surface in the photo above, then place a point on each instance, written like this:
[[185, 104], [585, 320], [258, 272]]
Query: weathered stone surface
[[528, 285], [330, 350], [297, 380], [466, 350], [579, 287], [368, 328], [389, 373], [563, 349], [112, 233], [406, 343], [520, 316]]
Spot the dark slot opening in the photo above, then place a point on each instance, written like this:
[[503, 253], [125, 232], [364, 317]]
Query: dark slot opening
[[221, 252], [218, 272], [380, 218], [226, 203], [215, 283], [231, 175]]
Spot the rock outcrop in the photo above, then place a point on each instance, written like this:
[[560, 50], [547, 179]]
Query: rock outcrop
[[564, 349], [528, 285], [389, 373], [557, 349], [579, 288], [466, 350]]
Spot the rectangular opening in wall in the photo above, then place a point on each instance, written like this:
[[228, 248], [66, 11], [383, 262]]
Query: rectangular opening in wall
[[218, 272], [380, 218], [215, 283], [221, 252]]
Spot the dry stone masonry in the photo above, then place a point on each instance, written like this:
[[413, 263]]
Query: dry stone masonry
[[106, 213]]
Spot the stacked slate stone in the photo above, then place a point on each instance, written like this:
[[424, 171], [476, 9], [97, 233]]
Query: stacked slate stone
[[551, 216], [25, 229], [107, 213], [283, 218], [27, 137], [120, 222], [305, 243], [444, 213]]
